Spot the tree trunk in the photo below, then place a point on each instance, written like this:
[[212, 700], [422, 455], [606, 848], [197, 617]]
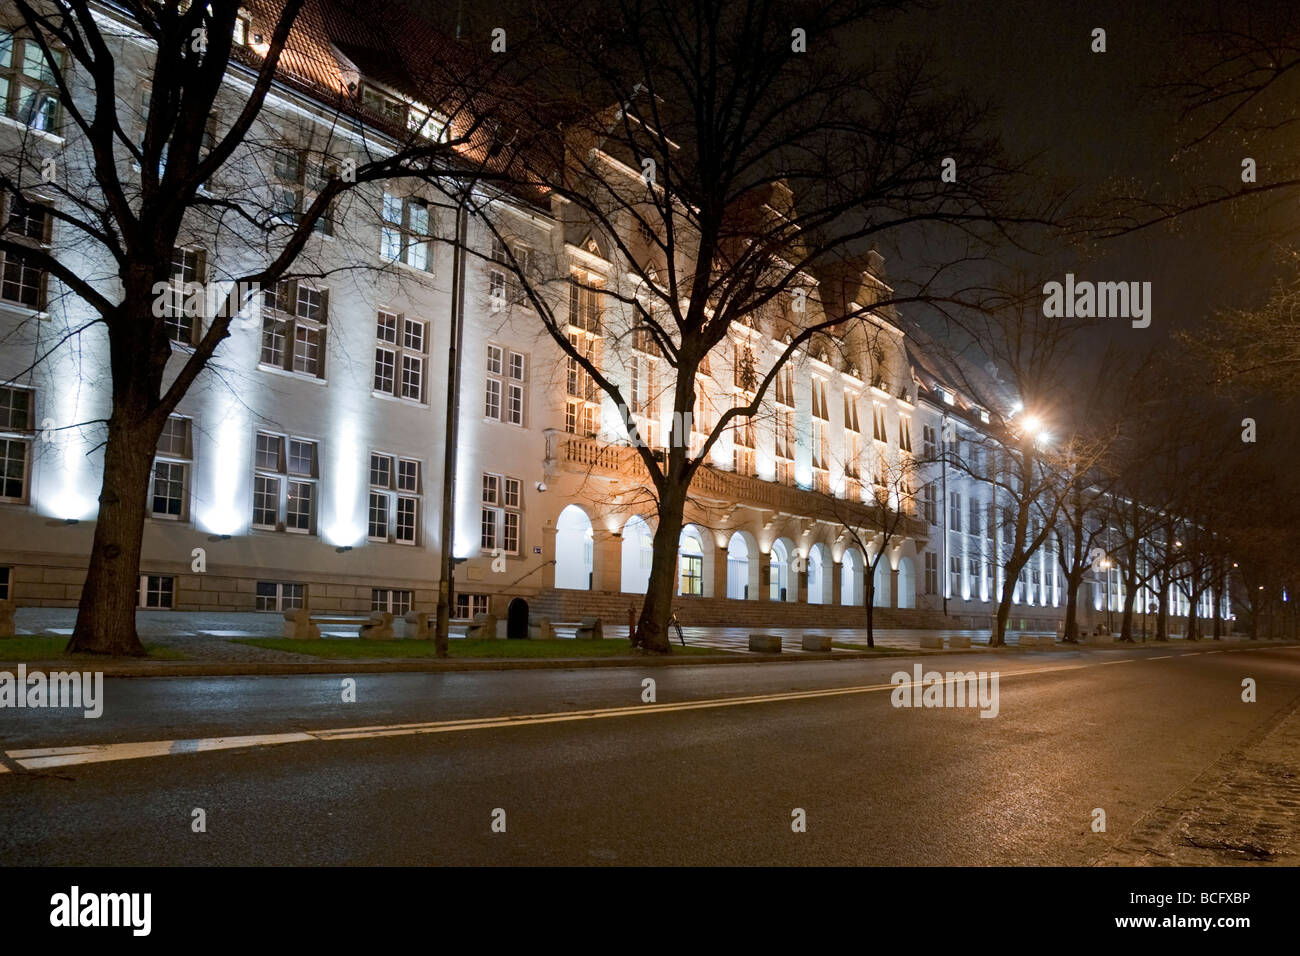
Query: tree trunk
[[999, 636], [110, 594], [1162, 613], [1070, 632], [1130, 599], [869, 589], [652, 626]]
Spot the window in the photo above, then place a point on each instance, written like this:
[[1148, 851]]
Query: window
[[280, 596], [404, 234], [582, 405], [5, 573], [394, 511], [821, 426], [904, 433], [171, 468], [954, 511], [467, 605], [584, 303], [501, 514], [507, 383], [296, 179], [743, 440], [294, 317], [928, 446], [400, 356], [393, 601], [931, 573], [243, 30], [930, 503], [20, 281], [28, 92], [692, 574], [284, 485], [179, 306], [954, 575], [973, 511], [387, 108], [157, 591], [16, 411], [785, 438], [504, 285], [878, 422]]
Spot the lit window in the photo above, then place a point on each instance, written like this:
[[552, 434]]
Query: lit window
[[294, 317], [404, 233], [284, 484], [400, 362], [171, 467], [157, 591], [28, 92]]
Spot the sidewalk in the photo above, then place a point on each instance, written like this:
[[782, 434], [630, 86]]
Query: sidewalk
[[209, 643], [1244, 810]]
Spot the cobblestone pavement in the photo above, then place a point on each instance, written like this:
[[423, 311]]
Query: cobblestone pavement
[[1243, 810]]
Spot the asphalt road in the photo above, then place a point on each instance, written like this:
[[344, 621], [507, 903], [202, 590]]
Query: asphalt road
[[645, 784]]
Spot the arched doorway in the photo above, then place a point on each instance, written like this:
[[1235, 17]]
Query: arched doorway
[[851, 578], [637, 556], [690, 562], [882, 584], [573, 549], [781, 562], [906, 583], [819, 574], [742, 567]]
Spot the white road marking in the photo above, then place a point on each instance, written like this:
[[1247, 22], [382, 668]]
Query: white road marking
[[46, 757]]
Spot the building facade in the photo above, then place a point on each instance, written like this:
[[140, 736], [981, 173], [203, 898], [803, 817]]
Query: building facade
[[306, 468]]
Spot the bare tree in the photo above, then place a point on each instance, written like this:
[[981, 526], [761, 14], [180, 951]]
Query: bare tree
[[193, 153], [732, 160]]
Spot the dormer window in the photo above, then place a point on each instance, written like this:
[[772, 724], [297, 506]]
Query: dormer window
[[386, 107], [243, 31]]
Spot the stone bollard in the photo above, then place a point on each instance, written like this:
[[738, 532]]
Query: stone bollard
[[483, 628], [422, 630], [378, 628], [817, 642], [961, 641], [298, 625], [590, 629], [930, 640], [765, 643], [543, 630], [7, 609]]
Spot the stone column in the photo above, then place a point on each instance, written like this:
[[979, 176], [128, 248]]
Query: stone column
[[548, 557], [893, 585], [836, 572], [720, 572], [764, 578], [606, 561]]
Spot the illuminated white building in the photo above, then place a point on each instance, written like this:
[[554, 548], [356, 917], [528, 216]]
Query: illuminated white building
[[307, 465]]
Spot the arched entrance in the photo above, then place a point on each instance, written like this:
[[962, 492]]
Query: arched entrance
[[784, 580], [851, 565], [906, 583], [637, 556], [882, 584], [517, 620], [573, 549], [819, 574], [742, 567]]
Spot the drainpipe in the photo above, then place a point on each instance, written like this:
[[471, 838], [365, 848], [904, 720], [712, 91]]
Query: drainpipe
[[446, 527]]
